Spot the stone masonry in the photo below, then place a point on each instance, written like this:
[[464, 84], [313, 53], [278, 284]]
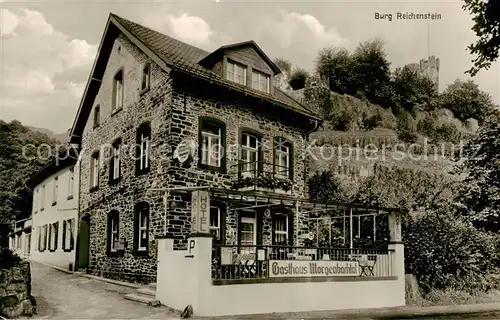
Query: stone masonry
[[174, 116]]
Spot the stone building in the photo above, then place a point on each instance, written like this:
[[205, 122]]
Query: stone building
[[160, 117]]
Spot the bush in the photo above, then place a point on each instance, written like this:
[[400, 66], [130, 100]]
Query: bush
[[371, 122], [8, 259], [447, 253]]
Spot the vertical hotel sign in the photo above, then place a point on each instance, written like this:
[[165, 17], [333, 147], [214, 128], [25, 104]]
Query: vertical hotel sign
[[200, 211]]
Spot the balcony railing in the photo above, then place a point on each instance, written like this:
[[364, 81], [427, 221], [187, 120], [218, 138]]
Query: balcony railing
[[238, 262], [262, 175]]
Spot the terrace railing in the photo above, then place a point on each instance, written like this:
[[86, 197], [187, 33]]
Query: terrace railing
[[234, 262]]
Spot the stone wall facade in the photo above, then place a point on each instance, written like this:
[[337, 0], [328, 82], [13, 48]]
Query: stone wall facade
[[174, 115], [15, 291]]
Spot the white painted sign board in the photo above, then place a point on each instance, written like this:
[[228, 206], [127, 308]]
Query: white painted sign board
[[316, 268], [200, 211]]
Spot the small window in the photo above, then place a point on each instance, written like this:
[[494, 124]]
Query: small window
[[114, 165], [146, 76], [117, 91], [282, 158], [54, 191], [94, 170], [142, 148], [113, 231], [215, 222], [97, 116], [71, 182], [236, 72], [141, 236], [212, 144], [260, 81]]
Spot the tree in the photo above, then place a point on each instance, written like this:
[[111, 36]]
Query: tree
[[283, 64], [413, 89], [373, 77], [466, 100], [336, 65], [298, 78], [16, 167], [486, 17], [323, 187], [481, 167]]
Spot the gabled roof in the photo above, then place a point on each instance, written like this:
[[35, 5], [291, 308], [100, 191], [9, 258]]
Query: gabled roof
[[168, 53], [250, 43], [64, 159]]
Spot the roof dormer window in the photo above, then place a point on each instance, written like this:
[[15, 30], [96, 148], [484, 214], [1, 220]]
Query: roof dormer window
[[236, 72], [260, 81]]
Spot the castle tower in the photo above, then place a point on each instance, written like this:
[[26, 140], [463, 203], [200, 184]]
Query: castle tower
[[428, 68]]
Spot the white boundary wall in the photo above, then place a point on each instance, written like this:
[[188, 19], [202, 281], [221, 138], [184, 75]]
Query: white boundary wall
[[184, 278]]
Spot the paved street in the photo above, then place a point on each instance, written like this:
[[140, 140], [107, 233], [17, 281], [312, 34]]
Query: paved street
[[66, 296]]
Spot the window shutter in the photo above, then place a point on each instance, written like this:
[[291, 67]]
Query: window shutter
[[147, 228], [273, 223], [64, 235], [259, 217], [290, 171], [108, 232], [290, 229], [50, 236], [136, 228], [72, 238], [56, 235]]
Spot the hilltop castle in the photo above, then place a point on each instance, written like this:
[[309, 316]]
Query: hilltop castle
[[429, 68]]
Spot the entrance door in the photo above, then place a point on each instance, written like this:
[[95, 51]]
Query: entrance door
[[248, 231], [83, 243]]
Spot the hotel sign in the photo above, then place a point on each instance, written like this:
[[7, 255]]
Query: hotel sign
[[200, 211], [317, 268]]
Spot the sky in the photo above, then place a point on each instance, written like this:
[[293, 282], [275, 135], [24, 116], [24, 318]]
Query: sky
[[48, 47]]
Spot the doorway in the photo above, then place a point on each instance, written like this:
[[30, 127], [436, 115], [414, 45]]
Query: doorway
[[83, 243]]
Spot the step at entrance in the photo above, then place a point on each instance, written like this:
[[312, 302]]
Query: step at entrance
[[144, 295]]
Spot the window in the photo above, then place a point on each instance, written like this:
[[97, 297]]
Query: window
[[117, 91], [42, 199], [71, 182], [54, 191], [215, 222], [18, 240], [141, 227], [114, 165], [94, 171], [53, 236], [68, 240], [236, 72], [282, 158], [113, 231], [97, 115], [39, 233], [260, 81], [281, 229], [212, 135], [248, 234], [250, 145], [146, 76], [44, 240], [143, 146]]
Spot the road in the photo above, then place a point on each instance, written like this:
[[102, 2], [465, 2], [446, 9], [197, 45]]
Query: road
[[66, 296]]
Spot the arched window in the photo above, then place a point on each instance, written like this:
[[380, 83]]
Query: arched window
[[97, 116], [114, 163], [113, 231], [118, 91], [141, 228]]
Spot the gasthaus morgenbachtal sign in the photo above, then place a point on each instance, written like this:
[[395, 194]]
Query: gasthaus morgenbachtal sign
[[318, 268]]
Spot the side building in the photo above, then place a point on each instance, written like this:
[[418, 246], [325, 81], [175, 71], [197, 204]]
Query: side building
[[54, 218]]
